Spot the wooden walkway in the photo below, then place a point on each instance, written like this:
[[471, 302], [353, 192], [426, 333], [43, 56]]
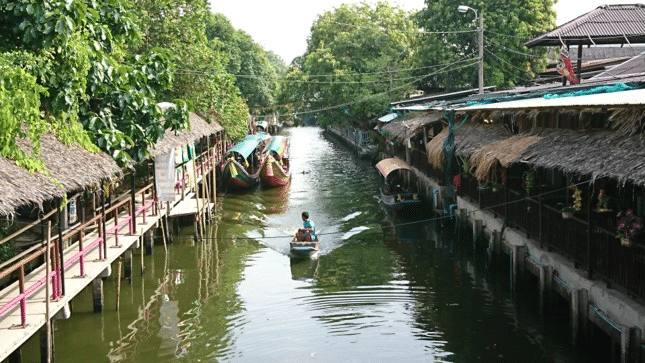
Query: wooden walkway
[[13, 335]]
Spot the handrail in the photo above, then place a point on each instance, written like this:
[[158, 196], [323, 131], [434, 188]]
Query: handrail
[[19, 262]]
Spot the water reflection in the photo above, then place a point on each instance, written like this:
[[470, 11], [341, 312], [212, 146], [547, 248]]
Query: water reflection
[[384, 288], [304, 269]]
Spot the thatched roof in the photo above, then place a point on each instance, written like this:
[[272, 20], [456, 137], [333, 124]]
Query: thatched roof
[[198, 128], [402, 130], [597, 153], [72, 166], [504, 152]]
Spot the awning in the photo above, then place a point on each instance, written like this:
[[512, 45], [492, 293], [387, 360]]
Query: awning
[[389, 117], [386, 166], [246, 146], [279, 145]]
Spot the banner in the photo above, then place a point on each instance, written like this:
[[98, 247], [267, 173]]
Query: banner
[[565, 68], [165, 176]]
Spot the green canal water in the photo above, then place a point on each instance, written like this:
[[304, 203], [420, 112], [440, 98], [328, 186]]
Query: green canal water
[[382, 290]]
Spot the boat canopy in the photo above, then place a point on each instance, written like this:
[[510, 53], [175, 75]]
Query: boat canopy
[[279, 145], [246, 146], [386, 166]]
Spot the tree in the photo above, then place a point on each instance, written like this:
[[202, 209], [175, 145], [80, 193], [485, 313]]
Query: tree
[[356, 62], [256, 76], [182, 27], [90, 91], [449, 47]]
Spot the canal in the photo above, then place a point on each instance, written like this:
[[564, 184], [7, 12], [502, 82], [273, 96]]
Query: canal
[[383, 290]]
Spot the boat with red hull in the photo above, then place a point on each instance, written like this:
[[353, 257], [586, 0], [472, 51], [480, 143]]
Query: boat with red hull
[[275, 168]]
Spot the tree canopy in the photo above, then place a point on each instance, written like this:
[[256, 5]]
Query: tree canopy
[[357, 61], [450, 40], [77, 81], [256, 71]]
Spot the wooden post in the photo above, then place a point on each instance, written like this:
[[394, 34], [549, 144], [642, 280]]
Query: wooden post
[[128, 264], [97, 294], [48, 318], [118, 285], [60, 249], [148, 240], [141, 250], [15, 356]]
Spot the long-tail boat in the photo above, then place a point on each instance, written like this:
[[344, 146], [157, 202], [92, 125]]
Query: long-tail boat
[[242, 163], [275, 171], [396, 193]]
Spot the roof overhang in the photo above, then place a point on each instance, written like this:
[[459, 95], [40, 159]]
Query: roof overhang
[[615, 99]]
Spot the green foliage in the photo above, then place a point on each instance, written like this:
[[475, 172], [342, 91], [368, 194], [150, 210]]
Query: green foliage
[[355, 64], [7, 249], [95, 93], [20, 105], [181, 28], [451, 36], [255, 73]]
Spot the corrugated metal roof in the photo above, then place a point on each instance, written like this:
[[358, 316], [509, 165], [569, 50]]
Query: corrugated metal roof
[[624, 98], [607, 24]]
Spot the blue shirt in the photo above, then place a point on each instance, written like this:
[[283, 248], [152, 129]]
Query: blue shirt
[[312, 225]]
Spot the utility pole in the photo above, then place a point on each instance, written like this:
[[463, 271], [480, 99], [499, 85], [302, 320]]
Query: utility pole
[[480, 29]]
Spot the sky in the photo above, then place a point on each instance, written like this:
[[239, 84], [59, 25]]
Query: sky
[[283, 26]]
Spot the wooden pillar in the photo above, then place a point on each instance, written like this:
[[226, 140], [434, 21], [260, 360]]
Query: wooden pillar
[[43, 345], [579, 65], [97, 294], [127, 264], [15, 356], [148, 241], [575, 315], [517, 260]]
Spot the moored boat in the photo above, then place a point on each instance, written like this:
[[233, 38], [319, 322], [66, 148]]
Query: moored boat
[[242, 163], [275, 169], [396, 193]]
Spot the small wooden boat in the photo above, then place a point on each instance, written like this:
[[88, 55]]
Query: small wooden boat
[[275, 170], [396, 193], [242, 163], [304, 249]]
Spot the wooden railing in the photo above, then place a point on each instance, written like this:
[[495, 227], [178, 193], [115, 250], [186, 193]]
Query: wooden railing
[[591, 247], [121, 213]]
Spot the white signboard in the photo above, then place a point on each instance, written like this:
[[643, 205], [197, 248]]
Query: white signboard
[[165, 177]]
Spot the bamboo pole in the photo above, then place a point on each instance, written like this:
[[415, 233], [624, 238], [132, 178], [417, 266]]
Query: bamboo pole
[[48, 322], [198, 214], [118, 285]]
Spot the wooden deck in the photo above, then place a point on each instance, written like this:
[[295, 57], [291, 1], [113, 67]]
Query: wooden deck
[[13, 335]]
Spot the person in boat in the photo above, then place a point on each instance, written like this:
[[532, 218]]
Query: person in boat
[[308, 230]]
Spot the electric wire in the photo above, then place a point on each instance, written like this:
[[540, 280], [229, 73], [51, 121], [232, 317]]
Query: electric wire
[[433, 219]]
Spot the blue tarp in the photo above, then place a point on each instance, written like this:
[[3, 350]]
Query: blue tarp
[[246, 146]]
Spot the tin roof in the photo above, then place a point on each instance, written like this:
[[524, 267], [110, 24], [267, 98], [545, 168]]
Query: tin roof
[[615, 99], [606, 24]]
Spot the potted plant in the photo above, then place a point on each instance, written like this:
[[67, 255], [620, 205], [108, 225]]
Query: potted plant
[[567, 212], [528, 181], [603, 202], [628, 225]]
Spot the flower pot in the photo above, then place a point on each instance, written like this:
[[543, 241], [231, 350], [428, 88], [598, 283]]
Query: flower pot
[[567, 215], [626, 242]]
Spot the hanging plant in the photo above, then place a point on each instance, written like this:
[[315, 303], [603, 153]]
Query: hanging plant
[[603, 202], [528, 181], [577, 197]]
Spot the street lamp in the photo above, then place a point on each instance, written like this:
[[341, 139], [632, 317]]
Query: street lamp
[[480, 29]]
